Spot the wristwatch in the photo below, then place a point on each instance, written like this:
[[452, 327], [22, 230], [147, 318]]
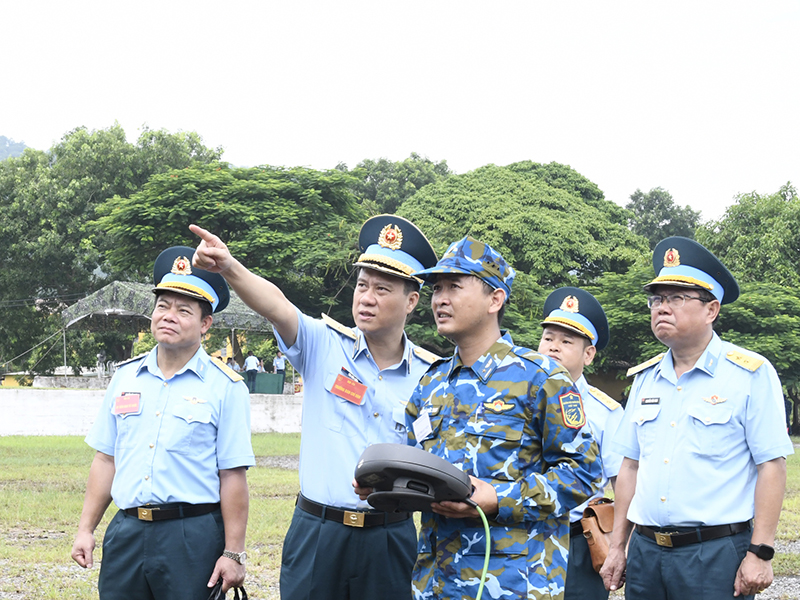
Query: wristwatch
[[762, 551], [239, 557]]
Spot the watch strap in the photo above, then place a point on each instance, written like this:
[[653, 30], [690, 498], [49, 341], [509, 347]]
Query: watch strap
[[762, 551], [239, 557]]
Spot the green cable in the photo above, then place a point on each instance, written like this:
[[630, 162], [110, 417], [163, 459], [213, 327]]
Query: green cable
[[488, 547]]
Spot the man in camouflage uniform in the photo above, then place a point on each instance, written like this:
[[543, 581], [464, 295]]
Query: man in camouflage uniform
[[513, 420]]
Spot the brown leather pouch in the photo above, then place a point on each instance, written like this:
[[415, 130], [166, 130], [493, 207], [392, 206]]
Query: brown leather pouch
[[597, 524]]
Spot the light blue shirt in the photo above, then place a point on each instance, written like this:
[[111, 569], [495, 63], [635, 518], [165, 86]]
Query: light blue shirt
[[603, 423], [699, 438], [185, 430], [279, 362], [335, 431]]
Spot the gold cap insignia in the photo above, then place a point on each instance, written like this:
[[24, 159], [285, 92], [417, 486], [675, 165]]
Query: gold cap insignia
[[672, 258], [570, 304], [182, 266], [391, 237], [715, 399]]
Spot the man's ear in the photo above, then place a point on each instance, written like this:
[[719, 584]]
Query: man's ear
[[412, 300], [498, 299], [588, 354], [205, 324]]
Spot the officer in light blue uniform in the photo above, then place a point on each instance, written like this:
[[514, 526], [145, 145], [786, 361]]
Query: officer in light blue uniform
[[357, 381], [173, 444], [574, 329], [704, 441]]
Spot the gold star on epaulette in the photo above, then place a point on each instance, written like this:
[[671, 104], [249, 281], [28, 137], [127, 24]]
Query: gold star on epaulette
[[751, 363]]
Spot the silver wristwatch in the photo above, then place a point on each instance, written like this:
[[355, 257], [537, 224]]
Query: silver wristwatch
[[239, 557]]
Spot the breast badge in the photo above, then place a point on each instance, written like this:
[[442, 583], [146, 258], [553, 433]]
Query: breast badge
[[715, 400]]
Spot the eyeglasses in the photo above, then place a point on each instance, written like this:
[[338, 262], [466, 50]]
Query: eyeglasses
[[673, 300]]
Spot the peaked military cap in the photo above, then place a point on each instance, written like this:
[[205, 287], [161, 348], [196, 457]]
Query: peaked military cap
[[394, 245], [173, 272], [468, 256], [577, 310], [683, 262]]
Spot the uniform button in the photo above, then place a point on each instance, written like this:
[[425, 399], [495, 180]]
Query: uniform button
[[663, 498], [672, 424], [380, 377], [146, 477], [158, 414], [165, 384], [679, 388], [152, 445], [376, 415], [190, 417], [666, 461]]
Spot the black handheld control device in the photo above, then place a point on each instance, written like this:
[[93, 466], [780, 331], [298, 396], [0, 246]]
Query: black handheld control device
[[408, 479]]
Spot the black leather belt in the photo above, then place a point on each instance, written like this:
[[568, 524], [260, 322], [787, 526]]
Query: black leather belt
[[163, 512], [351, 518], [575, 529], [683, 536]]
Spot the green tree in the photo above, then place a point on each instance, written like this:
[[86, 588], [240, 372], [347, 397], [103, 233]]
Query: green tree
[[297, 227], [758, 237], [382, 185], [551, 224], [656, 216], [49, 258]]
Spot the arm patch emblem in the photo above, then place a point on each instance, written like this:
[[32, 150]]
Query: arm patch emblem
[[572, 410]]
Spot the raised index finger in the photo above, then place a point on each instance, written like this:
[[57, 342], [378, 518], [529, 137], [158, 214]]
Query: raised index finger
[[204, 234]]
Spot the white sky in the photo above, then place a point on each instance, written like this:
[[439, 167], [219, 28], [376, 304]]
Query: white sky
[[700, 98]]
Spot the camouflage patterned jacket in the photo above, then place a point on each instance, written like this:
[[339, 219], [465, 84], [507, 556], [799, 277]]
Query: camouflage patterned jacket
[[515, 420]]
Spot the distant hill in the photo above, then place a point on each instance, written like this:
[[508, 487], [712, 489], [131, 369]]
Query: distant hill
[[9, 147]]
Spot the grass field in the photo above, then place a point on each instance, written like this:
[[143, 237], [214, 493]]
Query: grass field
[[43, 479]]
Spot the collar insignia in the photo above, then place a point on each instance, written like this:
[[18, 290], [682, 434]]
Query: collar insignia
[[672, 258], [498, 406], [390, 237], [715, 399], [570, 304], [182, 266]]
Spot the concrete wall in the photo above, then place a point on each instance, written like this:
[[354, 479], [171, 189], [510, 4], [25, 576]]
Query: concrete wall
[[27, 411]]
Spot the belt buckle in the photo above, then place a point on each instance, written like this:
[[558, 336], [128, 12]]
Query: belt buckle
[[145, 514], [663, 539], [353, 519]]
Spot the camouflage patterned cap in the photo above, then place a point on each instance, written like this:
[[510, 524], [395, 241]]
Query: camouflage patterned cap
[[468, 256]]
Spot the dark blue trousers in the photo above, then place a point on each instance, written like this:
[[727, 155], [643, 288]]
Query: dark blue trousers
[[583, 583], [702, 571], [325, 560], [160, 560]]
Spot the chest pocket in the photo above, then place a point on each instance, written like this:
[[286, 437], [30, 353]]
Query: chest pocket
[[126, 427], [192, 428], [644, 418], [713, 430], [492, 442], [340, 415]]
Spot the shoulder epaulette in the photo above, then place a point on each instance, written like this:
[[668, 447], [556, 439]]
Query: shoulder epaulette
[[132, 359], [232, 375], [604, 398], [751, 363], [645, 365], [335, 325], [426, 356], [531, 355]]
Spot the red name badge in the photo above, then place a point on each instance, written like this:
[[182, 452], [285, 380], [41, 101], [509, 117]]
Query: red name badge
[[126, 404], [350, 390]]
